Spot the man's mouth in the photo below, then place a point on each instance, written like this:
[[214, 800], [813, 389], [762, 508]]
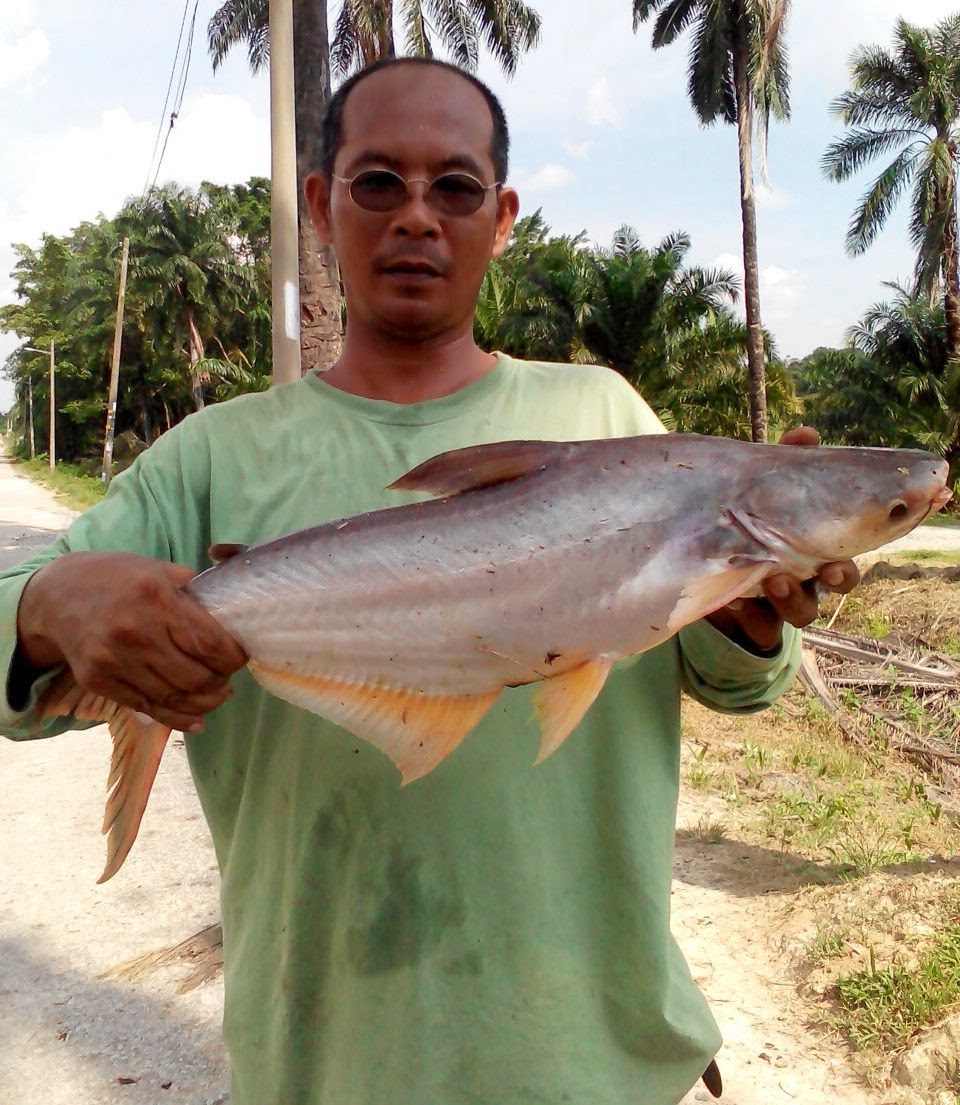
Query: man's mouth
[[421, 269]]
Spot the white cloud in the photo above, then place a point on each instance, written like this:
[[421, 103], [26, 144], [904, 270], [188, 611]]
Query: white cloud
[[23, 56], [577, 149], [14, 15], [772, 199], [600, 106], [782, 291], [549, 177]]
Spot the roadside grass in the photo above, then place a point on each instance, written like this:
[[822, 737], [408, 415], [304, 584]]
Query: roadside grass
[[852, 839], [881, 1008], [928, 556], [950, 519], [72, 487]]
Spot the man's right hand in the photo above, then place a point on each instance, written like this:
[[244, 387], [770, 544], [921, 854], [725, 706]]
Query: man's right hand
[[128, 631]]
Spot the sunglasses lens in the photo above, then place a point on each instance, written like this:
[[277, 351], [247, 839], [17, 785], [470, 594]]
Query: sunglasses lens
[[378, 190], [456, 194]]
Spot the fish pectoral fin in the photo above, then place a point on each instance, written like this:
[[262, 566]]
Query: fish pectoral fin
[[417, 731], [481, 466], [138, 743], [706, 593], [562, 700]]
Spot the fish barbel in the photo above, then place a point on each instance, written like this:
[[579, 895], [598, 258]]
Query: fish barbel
[[539, 562]]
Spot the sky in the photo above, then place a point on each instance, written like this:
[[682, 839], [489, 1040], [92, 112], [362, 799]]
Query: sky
[[602, 135]]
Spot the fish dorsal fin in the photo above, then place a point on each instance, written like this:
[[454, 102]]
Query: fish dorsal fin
[[417, 731], [706, 593], [480, 466], [138, 744], [562, 700], [225, 550]]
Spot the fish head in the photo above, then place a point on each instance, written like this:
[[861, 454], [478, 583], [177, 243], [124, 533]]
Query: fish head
[[833, 503]]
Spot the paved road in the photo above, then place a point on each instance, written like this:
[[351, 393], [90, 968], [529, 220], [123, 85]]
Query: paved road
[[30, 517]]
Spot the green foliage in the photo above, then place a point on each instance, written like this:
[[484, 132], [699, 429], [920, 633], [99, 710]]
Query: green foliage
[[77, 489], [667, 328], [198, 280]]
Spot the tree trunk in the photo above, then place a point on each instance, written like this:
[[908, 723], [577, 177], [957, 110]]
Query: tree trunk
[[748, 213], [321, 329], [196, 355], [951, 271]]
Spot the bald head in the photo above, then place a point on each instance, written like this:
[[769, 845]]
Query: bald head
[[384, 78]]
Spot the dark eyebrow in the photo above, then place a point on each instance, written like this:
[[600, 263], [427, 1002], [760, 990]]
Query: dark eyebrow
[[457, 161]]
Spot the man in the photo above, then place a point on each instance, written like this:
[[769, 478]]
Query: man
[[492, 934]]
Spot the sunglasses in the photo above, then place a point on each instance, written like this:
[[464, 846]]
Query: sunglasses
[[381, 191]]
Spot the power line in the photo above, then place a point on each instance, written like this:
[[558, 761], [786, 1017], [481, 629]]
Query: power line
[[178, 96]]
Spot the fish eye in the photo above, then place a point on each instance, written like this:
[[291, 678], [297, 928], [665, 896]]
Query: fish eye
[[898, 510]]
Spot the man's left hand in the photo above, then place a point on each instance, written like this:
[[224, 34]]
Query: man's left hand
[[757, 623]]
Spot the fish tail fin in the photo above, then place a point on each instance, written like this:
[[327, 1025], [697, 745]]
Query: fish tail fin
[[138, 744]]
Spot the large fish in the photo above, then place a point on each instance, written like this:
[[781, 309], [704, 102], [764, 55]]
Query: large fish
[[541, 562]]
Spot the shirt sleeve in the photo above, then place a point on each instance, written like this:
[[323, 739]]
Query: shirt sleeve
[[155, 508], [720, 674]]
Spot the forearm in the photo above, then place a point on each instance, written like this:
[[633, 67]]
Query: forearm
[[720, 674]]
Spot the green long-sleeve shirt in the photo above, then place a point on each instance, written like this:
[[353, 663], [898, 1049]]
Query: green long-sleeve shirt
[[494, 934]]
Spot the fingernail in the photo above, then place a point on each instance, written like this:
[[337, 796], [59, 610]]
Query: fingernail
[[832, 575], [778, 587], [737, 604], [197, 727]]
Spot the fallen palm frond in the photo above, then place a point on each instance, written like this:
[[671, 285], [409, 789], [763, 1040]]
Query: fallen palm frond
[[892, 689], [203, 952]]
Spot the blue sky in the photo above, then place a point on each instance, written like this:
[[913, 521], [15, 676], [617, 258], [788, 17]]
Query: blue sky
[[602, 135]]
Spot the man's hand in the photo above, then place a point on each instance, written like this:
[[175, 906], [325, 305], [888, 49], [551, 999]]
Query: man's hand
[[757, 623], [128, 631]]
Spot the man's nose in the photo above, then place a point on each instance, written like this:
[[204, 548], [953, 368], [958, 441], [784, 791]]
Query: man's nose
[[415, 217]]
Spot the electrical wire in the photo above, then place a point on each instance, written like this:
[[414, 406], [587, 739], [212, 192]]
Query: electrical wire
[[149, 184]]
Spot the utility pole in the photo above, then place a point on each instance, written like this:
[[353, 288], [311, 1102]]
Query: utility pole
[[115, 369], [283, 201], [33, 447], [53, 412], [53, 404]]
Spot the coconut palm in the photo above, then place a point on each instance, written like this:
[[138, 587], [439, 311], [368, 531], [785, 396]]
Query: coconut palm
[[907, 102], [738, 75]]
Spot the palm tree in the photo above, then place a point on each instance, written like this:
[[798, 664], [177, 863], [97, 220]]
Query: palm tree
[[737, 74], [908, 101], [185, 275], [364, 33]]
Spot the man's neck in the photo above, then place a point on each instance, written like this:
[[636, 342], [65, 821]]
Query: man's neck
[[378, 368]]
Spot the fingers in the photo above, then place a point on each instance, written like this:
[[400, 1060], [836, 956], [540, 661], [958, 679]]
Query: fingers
[[792, 601], [839, 576]]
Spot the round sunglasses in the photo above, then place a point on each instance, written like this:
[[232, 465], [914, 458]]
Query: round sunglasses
[[382, 190]]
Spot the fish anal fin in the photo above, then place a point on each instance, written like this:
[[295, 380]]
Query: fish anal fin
[[562, 700], [706, 593], [480, 466], [417, 731]]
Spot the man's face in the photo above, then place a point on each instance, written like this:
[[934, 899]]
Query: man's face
[[413, 273]]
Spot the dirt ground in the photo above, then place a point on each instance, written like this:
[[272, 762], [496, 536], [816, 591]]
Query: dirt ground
[[69, 1036]]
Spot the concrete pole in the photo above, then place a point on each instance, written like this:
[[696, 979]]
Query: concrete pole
[[53, 411], [33, 447], [115, 369], [283, 205]]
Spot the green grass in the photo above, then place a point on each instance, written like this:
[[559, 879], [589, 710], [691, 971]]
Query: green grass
[[929, 556], [71, 486], [885, 1007], [951, 519]]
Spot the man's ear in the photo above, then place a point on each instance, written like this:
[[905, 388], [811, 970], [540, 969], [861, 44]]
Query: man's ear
[[316, 190], [508, 204]]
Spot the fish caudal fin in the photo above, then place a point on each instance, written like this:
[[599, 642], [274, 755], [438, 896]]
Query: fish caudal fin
[[561, 701], [138, 743], [417, 731], [704, 594]]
